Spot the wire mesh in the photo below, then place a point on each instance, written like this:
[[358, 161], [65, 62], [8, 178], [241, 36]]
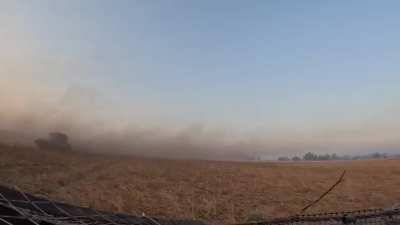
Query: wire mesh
[[19, 208]]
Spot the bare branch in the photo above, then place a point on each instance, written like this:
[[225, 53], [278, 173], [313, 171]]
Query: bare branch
[[326, 192]]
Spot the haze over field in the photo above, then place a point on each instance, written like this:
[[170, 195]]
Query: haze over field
[[203, 79]]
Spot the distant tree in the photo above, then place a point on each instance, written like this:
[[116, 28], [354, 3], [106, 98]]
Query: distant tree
[[309, 156], [296, 158], [254, 158], [283, 158], [378, 155], [56, 141], [42, 143], [324, 157], [345, 157], [334, 156]]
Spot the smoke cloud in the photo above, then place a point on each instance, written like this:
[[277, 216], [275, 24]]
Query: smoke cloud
[[30, 109]]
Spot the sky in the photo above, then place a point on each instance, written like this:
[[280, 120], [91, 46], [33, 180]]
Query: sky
[[258, 77]]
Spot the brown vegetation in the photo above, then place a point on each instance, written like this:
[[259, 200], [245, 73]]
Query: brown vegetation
[[213, 191]]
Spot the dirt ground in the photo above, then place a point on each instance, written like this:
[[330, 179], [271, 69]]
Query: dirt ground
[[223, 192]]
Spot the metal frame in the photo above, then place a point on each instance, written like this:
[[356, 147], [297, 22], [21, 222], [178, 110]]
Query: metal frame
[[19, 208]]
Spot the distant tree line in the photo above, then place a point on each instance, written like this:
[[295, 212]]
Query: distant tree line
[[55, 141], [309, 156]]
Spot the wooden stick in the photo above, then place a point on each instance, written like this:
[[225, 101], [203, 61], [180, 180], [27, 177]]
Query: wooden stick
[[325, 193]]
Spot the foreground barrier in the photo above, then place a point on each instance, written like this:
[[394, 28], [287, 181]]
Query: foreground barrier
[[19, 208], [359, 217]]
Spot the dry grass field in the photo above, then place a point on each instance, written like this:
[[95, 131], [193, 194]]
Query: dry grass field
[[224, 192]]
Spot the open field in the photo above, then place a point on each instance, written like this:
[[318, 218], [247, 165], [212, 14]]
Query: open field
[[214, 191]]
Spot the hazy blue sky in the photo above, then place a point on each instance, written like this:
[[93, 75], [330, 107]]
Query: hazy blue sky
[[309, 73]]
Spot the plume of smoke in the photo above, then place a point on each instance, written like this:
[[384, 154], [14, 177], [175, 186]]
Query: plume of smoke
[[79, 113], [30, 110]]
